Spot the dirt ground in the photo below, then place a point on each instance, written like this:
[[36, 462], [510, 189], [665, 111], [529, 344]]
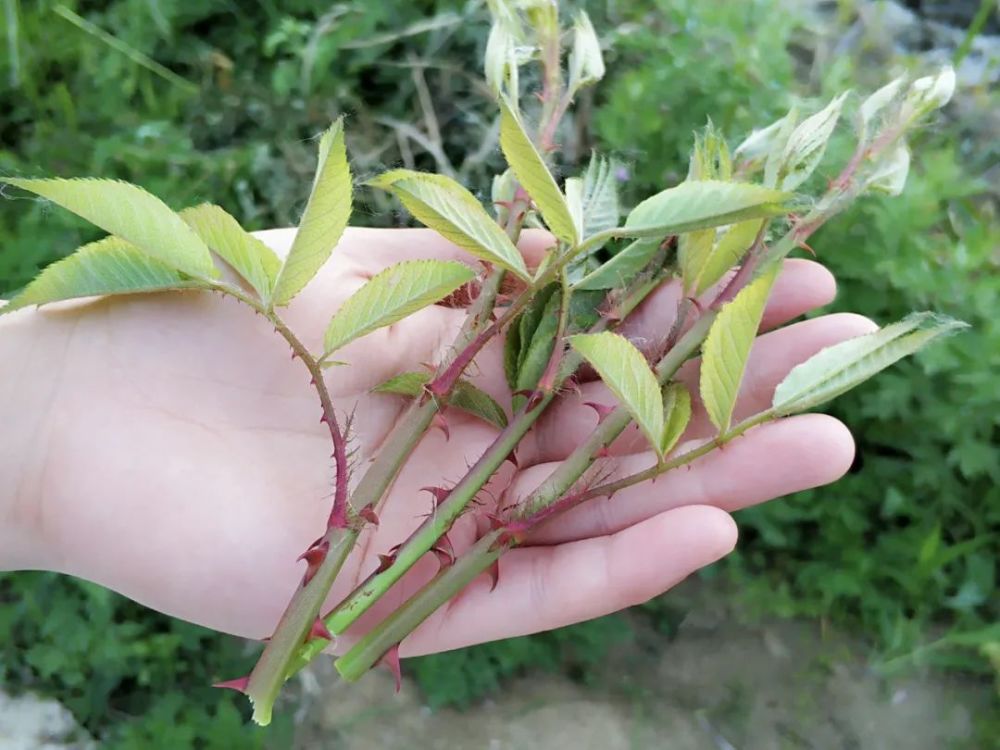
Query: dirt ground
[[721, 684]]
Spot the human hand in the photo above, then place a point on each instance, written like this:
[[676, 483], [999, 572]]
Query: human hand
[[166, 446]]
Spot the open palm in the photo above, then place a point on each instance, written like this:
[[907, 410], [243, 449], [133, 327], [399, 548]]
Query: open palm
[[170, 449]]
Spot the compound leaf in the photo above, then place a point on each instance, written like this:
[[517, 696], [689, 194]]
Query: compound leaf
[[249, 257], [442, 204], [727, 348], [627, 374], [838, 368], [391, 295], [131, 213], [108, 266], [324, 220]]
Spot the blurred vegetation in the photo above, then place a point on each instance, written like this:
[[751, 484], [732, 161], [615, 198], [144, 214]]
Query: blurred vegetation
[[904, 550]]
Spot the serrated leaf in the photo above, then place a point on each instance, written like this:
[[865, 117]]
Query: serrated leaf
[[676, 415], [807, 144], [703, 265], [464, 396], [249, 257], [727, 349], [131, 213], [391, 295], [622, 268], [324, 220], [531, 171], [108, 266], [703, 204], [600, 196], [626, 374], [838, 368], [442, 204]]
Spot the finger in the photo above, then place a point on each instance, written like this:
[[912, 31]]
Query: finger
[[771, 460], [542, 588], [570, 420]]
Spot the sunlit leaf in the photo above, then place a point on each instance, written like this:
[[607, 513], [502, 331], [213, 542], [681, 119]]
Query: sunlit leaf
[[703, 204], [131, 213], [464, 396], [531, 171], [727, 349], [807, 144], [626, 374], [324, 220], [839, 368], [676, 415], [448, 208], [108, 266], [249, 257], [702, 265], [391, 295]]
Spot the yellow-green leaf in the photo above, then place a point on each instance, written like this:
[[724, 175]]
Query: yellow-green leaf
[[324, 220], [676, 415], [706, 256], [131, 213], [838, 368], [464, 396], [249, 257], [622, 267], [448, 208], [108, 266], [702, 204], [627, 375], [727, 348], [391, 295], [531, 171]]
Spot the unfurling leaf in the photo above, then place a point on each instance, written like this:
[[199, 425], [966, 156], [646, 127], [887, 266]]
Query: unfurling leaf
[[626, 374], [622, 268], [710, 158], [108, 266], [531, 171], [448, 208], [600, 197], [727, 349], [807, 144], [878, 102], [840, 367], [131, 213], [324, 220], [703, 204], [931, 92], [760, 144], [676, 415], [391, 295], [889, 175], [249, 257], [539, 325], [586, 64], [464, 396]]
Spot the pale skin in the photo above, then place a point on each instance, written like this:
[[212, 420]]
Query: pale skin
[[166, 446]]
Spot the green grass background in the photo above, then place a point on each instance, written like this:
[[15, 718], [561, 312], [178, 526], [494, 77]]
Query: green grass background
[[902, 552]]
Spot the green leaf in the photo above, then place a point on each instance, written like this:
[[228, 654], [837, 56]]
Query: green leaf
[[839, 368], [391, 295], [108, 266], [324, 219], [600, 197], [807, 144], [249, 257], [702, 204], [704, 264], [529, 167], [537, 344], [464, 396], [727, 348], [627, 374], [676, 415], [622, 267], [131, 213], [448, 208]]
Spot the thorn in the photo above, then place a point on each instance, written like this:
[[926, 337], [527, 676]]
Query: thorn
[[322, 419], [603, 452], [806, 247], [494, 573], [603, 410], [444, 551], [239, 684], [495, 521], [571, 386], [440, 494], [385, 562], [369, 515], [512, 457], [319, 630], [697, 305], [442, 424], [390, 659], [314, 557]]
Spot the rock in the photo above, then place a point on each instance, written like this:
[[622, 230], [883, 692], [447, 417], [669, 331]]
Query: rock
[[28, 722]]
